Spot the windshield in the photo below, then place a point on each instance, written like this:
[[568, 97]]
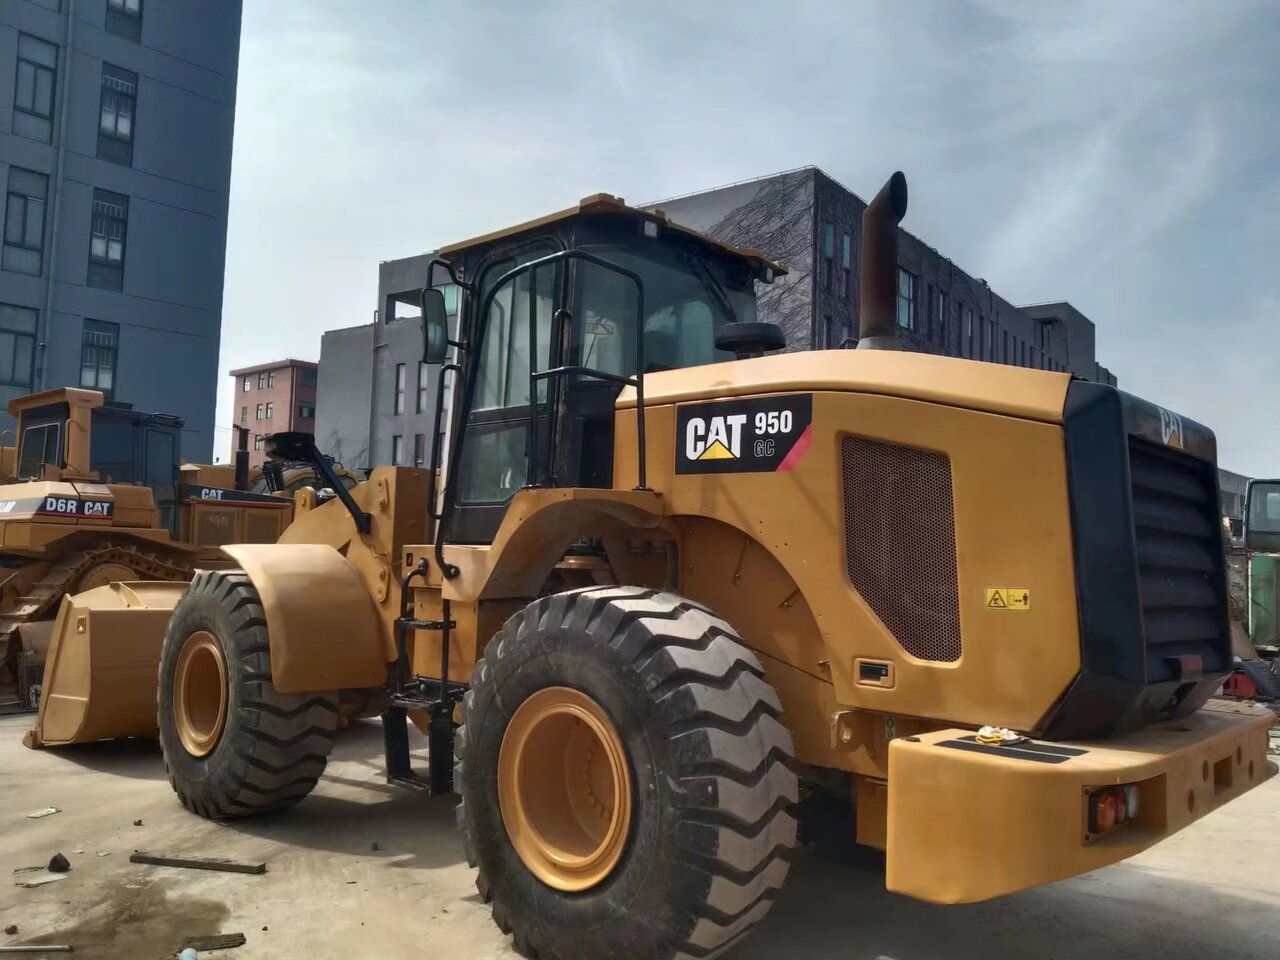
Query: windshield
[[1264, 508], [113, 451], [686, 301]]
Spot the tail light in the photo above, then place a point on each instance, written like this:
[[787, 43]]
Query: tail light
[[1112, 807]]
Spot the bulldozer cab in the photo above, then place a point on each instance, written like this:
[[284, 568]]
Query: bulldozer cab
[[1262, 516], [54, 431], [558, 316]]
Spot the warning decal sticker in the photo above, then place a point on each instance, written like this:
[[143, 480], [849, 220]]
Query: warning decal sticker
[[766, 434], [1008, 598]]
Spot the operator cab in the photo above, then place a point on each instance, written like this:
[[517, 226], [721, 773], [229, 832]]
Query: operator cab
[[74, 434], [556, 317], [1262, 516]]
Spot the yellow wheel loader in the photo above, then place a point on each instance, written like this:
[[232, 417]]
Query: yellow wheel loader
[[671, 581], [96, 495]]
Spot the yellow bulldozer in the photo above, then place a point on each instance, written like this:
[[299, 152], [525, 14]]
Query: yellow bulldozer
[[672, 580], [94, 493]]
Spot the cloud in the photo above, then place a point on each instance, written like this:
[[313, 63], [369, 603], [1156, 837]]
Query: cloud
[[1121, 155]]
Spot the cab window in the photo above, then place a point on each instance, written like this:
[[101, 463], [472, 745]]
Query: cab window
[[1264, 508], [40, 445]]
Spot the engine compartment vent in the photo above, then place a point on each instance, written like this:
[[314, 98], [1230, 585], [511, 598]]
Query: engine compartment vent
[[900, 542]]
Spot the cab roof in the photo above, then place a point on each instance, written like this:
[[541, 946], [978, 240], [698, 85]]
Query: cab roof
[[607, 203], [73, 396]]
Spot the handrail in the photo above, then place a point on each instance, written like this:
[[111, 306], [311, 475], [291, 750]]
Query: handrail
[[434, 465], [450, 571], [636, 382]]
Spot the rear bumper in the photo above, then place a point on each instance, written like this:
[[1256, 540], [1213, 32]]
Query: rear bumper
[[967, 823]]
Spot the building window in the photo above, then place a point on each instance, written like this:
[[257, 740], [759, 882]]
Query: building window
[[967, 334], [828, 253], [306, 411], [846, 264], [257, 441], [399, 401], [940, 317], [107, 240], [397, 449], [270, 410], [24, 222], [271, 378], [17, 344], [422, 387], [906, 299], [419, 449], [262, 381], [98, 346], [124, 19], [257, 412], [246, 384], [244, 414], [116, 114], [308, 379], [34, 86]]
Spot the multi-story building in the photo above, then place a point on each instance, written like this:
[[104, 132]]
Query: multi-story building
[[116, 121], [809, 222], [377, 400], [271, 398]]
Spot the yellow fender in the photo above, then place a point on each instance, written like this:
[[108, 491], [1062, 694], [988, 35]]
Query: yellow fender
[[325, 629]]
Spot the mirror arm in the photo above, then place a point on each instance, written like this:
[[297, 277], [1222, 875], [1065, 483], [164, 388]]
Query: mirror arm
[[363, 522]]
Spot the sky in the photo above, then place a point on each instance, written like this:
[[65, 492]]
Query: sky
[[1120, 154]]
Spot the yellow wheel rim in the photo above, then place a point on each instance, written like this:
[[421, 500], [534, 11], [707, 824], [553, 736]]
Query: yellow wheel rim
[[200, 693], [565, 789]]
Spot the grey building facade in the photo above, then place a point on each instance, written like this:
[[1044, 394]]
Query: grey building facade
[[813, 225], [376, 399], [116, 121]]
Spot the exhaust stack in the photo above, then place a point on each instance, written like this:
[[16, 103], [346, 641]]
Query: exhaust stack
[[242, 458], [878, 272]]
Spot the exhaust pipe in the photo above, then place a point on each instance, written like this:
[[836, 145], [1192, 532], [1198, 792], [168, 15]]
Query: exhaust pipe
[[242, 458], [878, 271]]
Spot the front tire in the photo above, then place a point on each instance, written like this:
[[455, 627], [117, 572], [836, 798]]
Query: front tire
[[701, 794], [234, 745]]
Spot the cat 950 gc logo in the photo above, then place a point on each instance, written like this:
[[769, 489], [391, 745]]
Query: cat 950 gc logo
[[761, 435]]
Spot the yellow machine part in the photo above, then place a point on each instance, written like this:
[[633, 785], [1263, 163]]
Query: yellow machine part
[[100, 676], [325, 630], [968, 822]]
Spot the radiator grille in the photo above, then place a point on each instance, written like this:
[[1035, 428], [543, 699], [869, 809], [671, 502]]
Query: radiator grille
[[900, 542], [1181, 564]]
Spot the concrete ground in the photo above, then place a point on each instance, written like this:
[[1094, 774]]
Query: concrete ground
[[1212, 891]]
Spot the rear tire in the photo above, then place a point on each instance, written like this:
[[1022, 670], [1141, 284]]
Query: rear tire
[[257, 751], [709, 836]]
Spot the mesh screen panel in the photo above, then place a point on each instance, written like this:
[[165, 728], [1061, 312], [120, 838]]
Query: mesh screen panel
[[900, 542]]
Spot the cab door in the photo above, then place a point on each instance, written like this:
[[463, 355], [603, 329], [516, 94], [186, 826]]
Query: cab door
[[493, 462]]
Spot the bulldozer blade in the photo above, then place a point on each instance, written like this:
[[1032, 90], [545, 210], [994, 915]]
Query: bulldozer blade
[[100, 676]]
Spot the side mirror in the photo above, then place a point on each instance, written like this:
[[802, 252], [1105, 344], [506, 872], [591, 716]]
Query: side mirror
[[290, 446], [435, 327]]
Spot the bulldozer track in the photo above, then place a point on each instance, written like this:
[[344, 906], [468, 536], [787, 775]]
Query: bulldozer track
[[64, 573]]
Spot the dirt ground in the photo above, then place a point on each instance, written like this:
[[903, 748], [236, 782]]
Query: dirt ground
[[361, 869]]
